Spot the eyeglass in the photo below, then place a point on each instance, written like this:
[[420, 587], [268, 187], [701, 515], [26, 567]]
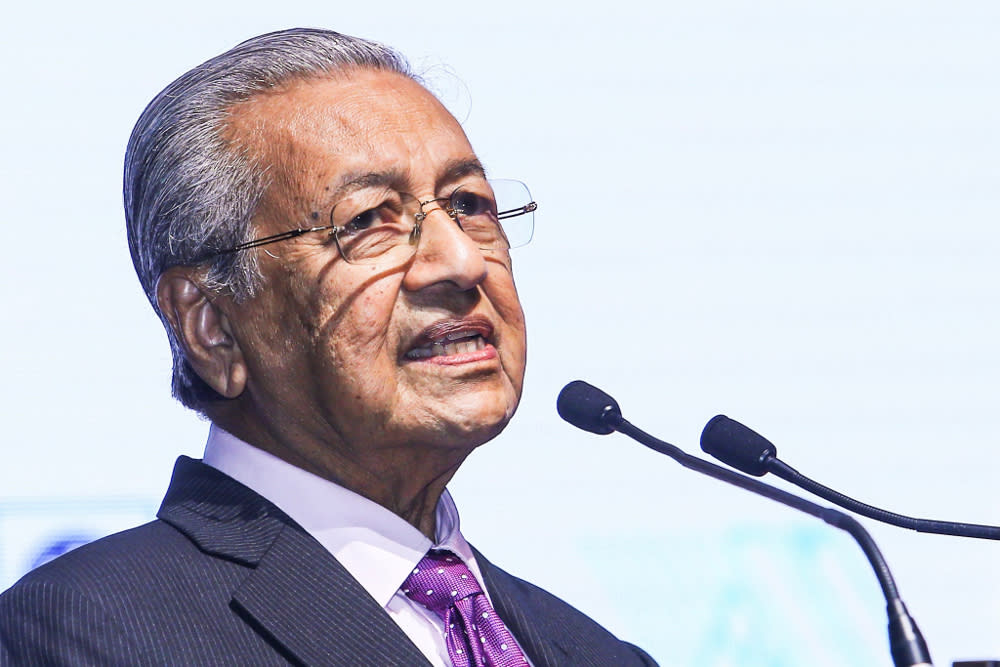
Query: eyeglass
[[377, 225]]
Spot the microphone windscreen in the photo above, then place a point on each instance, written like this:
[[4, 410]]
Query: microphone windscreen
[[736, 445], [585, 406]]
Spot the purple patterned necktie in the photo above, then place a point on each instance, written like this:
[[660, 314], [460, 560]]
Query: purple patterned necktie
[[475, 634]]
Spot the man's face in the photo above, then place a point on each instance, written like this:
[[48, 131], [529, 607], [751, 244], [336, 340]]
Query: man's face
[[337, 353]]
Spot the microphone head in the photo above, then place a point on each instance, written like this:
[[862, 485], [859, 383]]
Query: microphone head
[[738, 446], [585, 406]]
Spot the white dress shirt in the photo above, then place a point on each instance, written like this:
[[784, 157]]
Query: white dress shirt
[[377, 547]]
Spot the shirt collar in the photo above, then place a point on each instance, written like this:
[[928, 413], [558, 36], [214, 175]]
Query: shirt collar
[[377, 547]]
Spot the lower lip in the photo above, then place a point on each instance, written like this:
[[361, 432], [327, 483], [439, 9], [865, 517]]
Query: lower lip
[[485, 354]]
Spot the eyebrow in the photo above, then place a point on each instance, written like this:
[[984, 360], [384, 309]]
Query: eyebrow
[[453, 171], [360, 180], [456, 169]]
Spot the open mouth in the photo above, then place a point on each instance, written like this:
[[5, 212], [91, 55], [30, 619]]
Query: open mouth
[[462, 343], [453, 338]]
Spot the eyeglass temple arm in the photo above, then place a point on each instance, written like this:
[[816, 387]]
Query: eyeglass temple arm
[[290, 234], [514, 212]]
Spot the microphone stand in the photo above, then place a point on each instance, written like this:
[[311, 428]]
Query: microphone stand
[[590, 409], [906, 644]]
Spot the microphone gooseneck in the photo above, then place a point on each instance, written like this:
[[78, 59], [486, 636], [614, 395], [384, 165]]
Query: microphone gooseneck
[[746, 450], [591, 409]]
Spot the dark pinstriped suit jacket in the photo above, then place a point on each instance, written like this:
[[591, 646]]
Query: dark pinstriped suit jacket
[[225, 578]]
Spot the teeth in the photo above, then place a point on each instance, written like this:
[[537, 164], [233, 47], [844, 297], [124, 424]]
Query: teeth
[[462, 343], [460, 335]]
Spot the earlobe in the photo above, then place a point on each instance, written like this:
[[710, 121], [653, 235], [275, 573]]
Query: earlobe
[[203, 331]]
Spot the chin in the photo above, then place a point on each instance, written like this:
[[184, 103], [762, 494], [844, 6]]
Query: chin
[[474, 424]]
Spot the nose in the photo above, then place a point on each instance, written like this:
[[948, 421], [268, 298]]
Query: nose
[[444, 254]]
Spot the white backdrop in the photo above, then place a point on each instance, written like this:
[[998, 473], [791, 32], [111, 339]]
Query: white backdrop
[[782, 211]]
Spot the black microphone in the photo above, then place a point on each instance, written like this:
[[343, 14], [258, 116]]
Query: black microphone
[[590, 409], [746, 450], [587, 407]]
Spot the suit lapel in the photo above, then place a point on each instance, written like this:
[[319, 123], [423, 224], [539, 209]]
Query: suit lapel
[[296, 594], [536, 629], [550, 631], [308, 603]]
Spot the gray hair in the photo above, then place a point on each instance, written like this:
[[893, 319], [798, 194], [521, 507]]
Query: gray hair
[[189, 193]]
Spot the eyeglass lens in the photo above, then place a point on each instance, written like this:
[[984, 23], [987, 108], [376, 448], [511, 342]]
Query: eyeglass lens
[[383, 225]]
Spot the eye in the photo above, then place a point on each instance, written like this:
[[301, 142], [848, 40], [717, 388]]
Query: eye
[[365, 220], [468, 203], [366, 211]]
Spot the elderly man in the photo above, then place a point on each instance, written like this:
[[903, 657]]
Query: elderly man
[[333, 271]]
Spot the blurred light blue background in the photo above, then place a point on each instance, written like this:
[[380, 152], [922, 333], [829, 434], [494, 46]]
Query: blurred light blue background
[[786, 212]]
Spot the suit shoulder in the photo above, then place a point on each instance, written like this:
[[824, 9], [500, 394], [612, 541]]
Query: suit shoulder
[[76, 598], [153, 565], [37, 609], [109, 563], [148, 595], [563, 633], [102, 560]]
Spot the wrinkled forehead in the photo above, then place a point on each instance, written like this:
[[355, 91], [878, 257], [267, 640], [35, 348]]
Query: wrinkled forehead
[[306, 133]]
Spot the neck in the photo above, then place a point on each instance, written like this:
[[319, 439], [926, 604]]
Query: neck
[[408, 480]]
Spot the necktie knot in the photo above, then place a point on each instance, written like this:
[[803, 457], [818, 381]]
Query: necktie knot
[[440, 580], [474, 634]]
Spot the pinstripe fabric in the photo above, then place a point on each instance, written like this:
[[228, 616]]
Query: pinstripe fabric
[[225, 578], [551, 631]]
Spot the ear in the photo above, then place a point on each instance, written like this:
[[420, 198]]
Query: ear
[[203, 331]]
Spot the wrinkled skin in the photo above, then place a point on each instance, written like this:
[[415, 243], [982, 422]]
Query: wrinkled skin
[[315, 365]]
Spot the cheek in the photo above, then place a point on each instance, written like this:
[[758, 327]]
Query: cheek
[[361, 335], [371, 317], [358, 348], [503, 296], [278, 326]]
